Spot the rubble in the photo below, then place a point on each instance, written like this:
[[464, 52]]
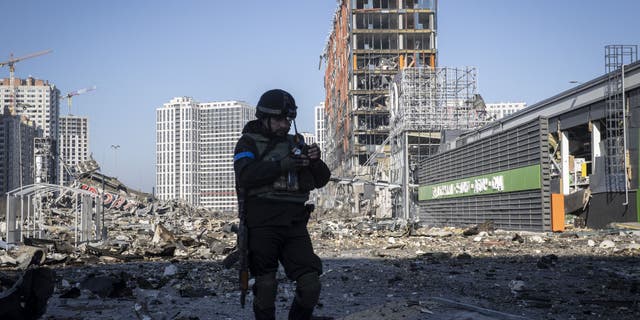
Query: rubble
[[25, 295], [173, 261]]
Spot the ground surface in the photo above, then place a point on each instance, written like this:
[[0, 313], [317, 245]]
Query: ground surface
[[374, 271]]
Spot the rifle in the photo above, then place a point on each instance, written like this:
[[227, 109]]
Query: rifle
[[243, 247]]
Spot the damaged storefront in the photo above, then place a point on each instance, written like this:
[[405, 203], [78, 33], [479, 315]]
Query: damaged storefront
[[570, 158]]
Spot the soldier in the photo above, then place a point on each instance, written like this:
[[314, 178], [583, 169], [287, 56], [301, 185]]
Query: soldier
[[274, 173]]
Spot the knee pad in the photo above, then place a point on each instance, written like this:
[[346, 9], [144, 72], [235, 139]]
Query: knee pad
[[308, 289], [264, 291]]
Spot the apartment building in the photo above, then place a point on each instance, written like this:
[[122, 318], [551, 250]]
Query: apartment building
[[73, 145], [36, 99], [16, 151], [320, 127], [220, 128], [194, 151], [371, 41], [502, 109], [309, 138], [176, 150], [39, 102]]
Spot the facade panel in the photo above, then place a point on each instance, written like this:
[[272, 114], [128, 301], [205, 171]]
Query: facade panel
[[503, 178]]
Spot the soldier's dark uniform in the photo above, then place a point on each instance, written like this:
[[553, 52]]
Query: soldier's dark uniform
[[276, 215]]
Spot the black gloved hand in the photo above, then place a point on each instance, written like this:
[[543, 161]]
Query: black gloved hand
[[314, 152], [290, 163]]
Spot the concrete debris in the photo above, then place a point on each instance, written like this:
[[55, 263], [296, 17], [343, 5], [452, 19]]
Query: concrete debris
[[606, 244], [169, 260], [162, 234], [24, 295], [516, 286], [536, 239], [27, 297], [170, 270]]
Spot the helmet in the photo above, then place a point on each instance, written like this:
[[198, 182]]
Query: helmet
[[276, 103]]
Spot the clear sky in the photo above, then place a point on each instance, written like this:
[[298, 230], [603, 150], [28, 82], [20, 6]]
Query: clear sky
[[140, 54]]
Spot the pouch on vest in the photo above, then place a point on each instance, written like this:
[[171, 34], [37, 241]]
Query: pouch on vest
[[305, 180]]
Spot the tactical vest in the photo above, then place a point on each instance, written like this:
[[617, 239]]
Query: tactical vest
[[282, 189]]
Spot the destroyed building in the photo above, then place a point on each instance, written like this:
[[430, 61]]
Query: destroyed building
[[371, 41], [388, 104], [573, 153], [428, 107]]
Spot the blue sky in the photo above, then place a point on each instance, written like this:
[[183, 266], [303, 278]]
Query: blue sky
[[140, 54]]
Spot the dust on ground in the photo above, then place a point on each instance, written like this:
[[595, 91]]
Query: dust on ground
[[160, 269]]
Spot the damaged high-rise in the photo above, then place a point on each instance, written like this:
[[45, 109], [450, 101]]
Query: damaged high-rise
[[371, 41], [429, 106]]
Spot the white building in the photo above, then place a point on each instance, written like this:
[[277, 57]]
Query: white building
[[73, 144], [503, 109], [39, 102], [36, 99], [309, 138], [194, 151], [220, 128], [176, 150], [319, 127]]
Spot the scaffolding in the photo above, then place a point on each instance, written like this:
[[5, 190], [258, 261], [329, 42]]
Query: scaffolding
[[370, 43], [435, 99], [616, 57], [426, 104]]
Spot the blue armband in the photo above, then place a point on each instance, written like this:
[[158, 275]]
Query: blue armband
[[246, 154]]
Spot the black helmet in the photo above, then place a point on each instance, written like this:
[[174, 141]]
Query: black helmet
[[276, 103]]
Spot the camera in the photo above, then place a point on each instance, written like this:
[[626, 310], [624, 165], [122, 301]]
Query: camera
[[301, 149]]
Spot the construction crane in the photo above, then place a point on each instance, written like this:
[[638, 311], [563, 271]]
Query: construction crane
[[69, 96], [11, 63]]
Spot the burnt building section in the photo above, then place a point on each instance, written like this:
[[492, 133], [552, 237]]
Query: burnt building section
[[579, 162], [371, 41]]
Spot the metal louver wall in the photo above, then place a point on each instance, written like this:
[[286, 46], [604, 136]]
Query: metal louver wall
[[503, 178]]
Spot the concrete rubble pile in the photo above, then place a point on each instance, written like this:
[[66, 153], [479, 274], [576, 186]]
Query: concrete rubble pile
[[164, 230], [137, 227], [370, 267], [166, 260], [25, 289]]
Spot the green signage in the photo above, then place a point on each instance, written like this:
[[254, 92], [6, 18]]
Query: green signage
[[524, 178]]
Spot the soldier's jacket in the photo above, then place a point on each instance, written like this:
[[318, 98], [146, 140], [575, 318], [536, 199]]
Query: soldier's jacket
[[257, 158]]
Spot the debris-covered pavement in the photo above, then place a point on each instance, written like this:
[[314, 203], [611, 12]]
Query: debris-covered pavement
[[167, 263]]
